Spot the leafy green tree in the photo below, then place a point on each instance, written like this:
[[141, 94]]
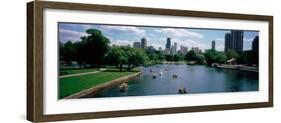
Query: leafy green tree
[[231, 54], [200, 58], [120, 56], [190, 55], [213, 56], [248, 57], [168, 57], [95, 47], [68, 52], [221, 57], [161, 56], [81, 54], [178, 57], [61, 51], [117, 56], [153, 57], [135, 57]]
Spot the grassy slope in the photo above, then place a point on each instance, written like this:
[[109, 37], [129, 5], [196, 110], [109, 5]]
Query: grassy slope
[[71, 85], [74, 71]]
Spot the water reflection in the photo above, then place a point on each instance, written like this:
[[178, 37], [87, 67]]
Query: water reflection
[[194, 78]]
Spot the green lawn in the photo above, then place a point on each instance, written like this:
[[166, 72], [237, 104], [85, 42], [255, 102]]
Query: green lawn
[[72, 85], [74, 71]]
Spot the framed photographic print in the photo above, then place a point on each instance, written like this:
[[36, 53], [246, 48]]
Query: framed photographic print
[[97, 61]]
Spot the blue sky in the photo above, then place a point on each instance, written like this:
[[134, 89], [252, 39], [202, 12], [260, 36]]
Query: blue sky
[[156, 36]]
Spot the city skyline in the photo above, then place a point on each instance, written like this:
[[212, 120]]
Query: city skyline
[[155, 36]]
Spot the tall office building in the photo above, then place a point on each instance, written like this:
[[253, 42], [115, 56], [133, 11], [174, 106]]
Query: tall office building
[[196, 49], [137, 45], [143, 43], [151, 49], [183, 50], [255, 44], [237, 38], [174, 48], [234, 40], [168, 44], [227, 42], [213, 45]]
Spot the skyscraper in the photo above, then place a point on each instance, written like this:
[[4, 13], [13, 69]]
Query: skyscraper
[[237, 38], [255, 44], [168, 44], [227, 42], [183, 50], [143, 43], [234, 41], [174, 49], [213, 45], [137, 45]]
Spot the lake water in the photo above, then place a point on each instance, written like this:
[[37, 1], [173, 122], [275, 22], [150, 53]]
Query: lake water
[[194, 78]]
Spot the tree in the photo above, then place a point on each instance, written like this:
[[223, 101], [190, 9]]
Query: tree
[[68, 52], [153, 57], [95, 47], [168, 57], [220, 57], [213, 56], [247, 57], [161, 56], [61, 51], [116, 56], [81, 54], [178, 57], [125, 55], [200, 58], [231, 54], [190, 55], [135, 57]]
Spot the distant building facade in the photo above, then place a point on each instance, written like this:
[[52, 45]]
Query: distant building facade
[[143, 43], [174, 48], [160, 48], [255, 44], [213, 45], [137, 44], [168, 44], [234, 40], [151, 49], [196, 49], [183, 49], [227, 42]]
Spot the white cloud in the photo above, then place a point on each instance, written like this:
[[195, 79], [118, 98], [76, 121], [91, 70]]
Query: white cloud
[[219, 39], [70, 35], [121, 42], [135, 30], [179, 32]]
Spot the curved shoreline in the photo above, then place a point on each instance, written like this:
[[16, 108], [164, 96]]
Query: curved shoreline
[[97, 88], [239, 67]]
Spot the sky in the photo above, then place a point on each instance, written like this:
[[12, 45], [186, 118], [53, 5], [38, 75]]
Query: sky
[[155, 36]]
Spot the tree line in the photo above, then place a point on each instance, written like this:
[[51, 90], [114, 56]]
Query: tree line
[[94, 50]]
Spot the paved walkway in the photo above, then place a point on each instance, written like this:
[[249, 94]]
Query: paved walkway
[[79, 74]]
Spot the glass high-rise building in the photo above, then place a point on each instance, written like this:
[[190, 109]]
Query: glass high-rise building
[[143, 43], [137, 44], [255, 44], [234, 40], [168, 44], [213, 45]]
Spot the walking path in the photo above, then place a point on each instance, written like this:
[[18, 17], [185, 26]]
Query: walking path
[[79, 74]]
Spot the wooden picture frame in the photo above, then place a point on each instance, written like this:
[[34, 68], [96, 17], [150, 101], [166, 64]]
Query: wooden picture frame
[[35, 59]]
